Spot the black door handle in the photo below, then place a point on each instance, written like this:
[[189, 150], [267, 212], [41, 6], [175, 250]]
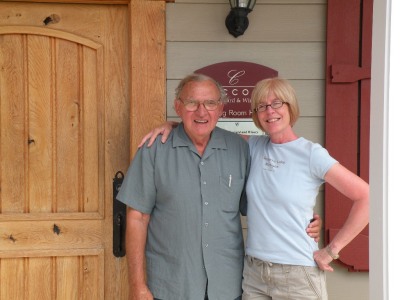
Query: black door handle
[[119, 218]]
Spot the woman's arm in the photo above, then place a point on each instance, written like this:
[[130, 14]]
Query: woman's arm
[[165, 129], [357, 190]]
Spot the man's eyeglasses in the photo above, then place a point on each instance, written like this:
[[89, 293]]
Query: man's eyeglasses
[[193, 105], [274, 105]]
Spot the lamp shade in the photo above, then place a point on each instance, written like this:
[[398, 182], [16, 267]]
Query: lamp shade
[[247, 4]]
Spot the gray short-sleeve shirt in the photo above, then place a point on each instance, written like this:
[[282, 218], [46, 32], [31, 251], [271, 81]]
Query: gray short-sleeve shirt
[[194, 234]]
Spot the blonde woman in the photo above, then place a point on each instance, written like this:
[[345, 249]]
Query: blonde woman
[[285, 176]]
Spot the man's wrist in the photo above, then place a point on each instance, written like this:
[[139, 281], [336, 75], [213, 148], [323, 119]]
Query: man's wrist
[[331, 253]]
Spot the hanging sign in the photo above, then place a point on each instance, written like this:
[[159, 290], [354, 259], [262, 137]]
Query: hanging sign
[[238, 78]]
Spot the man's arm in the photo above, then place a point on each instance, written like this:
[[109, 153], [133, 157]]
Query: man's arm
[[136, 236], [315, 227], [164, 129]]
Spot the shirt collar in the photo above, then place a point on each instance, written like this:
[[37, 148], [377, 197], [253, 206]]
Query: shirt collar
[[181, 139]]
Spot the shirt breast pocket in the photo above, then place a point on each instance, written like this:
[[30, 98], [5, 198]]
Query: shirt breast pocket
[[231, 189]]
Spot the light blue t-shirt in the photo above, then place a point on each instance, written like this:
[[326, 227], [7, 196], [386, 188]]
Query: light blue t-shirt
[[281, 191]]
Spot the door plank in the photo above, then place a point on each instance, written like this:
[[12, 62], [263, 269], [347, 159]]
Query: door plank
[[68, 234], [39, 283], [12, 123], [12, 278], [68, 143], [40, 120]]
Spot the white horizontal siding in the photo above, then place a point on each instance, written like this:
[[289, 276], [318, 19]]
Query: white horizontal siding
[[291, 60], [267, 23]]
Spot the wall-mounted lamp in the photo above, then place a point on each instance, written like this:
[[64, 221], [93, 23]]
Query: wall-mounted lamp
[[237, 21]]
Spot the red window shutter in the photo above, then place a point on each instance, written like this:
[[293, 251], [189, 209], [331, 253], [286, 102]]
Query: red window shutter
[[348, 69]]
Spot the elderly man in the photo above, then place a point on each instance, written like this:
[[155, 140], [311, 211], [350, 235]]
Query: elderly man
[[183, 197]]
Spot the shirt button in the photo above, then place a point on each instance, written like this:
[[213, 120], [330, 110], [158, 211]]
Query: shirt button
[[202, 163], [206, 245], [205, 224], [205, 203], [204, 182]]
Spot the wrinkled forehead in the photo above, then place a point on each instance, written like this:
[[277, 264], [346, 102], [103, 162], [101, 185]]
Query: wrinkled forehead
[[200, 90]]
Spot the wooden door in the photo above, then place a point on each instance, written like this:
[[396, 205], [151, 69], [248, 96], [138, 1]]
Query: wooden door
[[64, 133]]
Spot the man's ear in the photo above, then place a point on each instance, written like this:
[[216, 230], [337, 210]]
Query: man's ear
[[221, 113], [177, 107]]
